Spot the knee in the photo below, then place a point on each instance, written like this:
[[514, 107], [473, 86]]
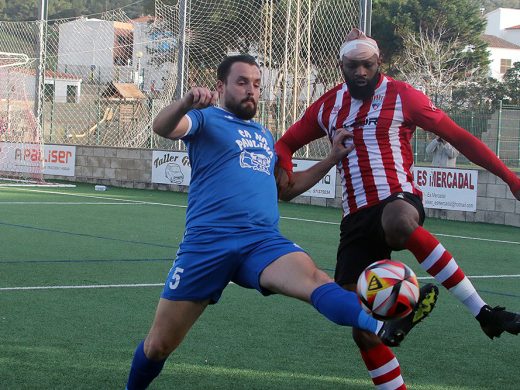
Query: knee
[[399, 220], [319, 277], [365, 340], [156, 348], [398, 230]]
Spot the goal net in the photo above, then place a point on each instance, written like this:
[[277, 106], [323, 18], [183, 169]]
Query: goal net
[[108, 75], [21, 146]]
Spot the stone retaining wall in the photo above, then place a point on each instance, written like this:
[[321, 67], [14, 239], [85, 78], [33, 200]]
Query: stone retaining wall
[[132, 168]]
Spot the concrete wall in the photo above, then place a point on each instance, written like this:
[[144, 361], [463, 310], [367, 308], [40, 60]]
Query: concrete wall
[[132, 168]]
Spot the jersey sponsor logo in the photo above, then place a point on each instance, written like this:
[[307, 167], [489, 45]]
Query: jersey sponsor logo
[[256, 152], [255, 161], [366, 122]]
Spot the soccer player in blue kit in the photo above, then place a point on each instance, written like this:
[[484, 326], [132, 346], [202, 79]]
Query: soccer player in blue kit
[[232, 219]]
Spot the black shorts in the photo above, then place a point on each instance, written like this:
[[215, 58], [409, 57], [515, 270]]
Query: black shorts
[[362, 239]]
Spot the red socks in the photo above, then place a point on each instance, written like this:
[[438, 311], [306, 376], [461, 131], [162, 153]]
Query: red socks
[[383, 368]]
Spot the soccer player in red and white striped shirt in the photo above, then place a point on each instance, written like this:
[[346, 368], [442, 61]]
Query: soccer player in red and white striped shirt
[[382, 208]]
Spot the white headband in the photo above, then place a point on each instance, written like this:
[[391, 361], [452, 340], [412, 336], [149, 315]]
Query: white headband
[[359, 49]]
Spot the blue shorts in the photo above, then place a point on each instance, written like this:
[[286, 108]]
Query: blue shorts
[[208, 259]]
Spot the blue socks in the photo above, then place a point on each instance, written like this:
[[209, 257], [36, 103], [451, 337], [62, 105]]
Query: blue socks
[[143, 370], [342, 307], [335, 303]]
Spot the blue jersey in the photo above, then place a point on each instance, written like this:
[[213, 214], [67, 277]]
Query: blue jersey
[[232, 171]]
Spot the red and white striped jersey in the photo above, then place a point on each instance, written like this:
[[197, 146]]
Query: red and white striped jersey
[[382, 161]]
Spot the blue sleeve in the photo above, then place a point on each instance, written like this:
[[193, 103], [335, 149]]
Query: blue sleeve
[[196, 118]]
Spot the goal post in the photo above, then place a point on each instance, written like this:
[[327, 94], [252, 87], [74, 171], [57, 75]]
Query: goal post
[[21, 143]]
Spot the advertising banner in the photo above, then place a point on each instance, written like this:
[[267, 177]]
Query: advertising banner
[[325, 188], [171, 168], [448, 188], [174, 168], [57, 159]]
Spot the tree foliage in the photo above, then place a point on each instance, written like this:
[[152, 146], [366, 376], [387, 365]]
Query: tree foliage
[[24, 10], [460, 18], [490, 5], [511, 84], [430, 61]]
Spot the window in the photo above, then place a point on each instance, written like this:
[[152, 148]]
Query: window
[[48, 92], [72, 93], [505, 64]]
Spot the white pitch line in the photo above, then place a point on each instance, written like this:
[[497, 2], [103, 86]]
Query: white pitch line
[[477, 238], [82, 287], [97, 286], [281, 217], [71, 203], [310, 220], [437, 234], [106, 198], [477, 277]]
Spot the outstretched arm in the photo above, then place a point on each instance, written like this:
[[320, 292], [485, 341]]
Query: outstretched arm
[[299, 134], [477, 152], [171, 121], [303, 180]]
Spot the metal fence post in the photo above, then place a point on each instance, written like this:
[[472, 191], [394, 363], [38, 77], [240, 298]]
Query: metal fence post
[[499, 127], [415, 146], [98, 106], [151, 111]]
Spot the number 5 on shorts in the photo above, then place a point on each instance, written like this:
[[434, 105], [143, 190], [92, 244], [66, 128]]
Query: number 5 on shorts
[[176, 278]]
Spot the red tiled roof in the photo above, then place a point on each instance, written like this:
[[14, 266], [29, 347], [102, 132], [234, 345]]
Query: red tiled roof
[[513, 27], [497, 42], [51, 74], [144, 19], [61, 75]]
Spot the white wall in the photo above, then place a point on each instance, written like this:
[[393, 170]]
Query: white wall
[[500, 19], [513, 36], [496, 54], [60, 89], [86, 42]]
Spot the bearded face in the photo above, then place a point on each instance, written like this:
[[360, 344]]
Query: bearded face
[[243, 108], [240, 91], [361, 76]]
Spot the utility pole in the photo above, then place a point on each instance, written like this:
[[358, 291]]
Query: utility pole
[[365, 16], [40, 63], [181, 59]]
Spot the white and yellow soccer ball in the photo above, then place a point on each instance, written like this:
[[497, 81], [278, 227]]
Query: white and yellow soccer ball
[[388, 289]]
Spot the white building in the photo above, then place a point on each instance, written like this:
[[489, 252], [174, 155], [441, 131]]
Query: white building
[[19, 84], [103, 51], [96, 49], [502, 35]]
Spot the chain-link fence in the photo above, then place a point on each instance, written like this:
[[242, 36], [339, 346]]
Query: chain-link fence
[[107, 76], [499, 130]]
